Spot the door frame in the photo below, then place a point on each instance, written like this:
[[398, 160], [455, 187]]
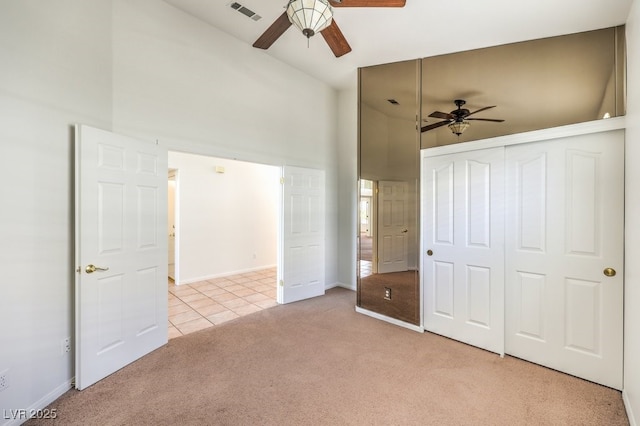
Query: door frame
[[174, 174], [278, 207]]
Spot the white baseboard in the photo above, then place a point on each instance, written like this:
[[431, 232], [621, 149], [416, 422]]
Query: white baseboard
[[393, 321], [627, 406], [38, 406], [225, 274], [347, 286], [330, 286]]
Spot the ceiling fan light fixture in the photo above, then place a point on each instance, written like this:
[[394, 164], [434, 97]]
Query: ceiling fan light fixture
[[459, 126], [310, 16]]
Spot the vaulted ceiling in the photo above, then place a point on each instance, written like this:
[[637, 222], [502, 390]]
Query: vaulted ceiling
[[422, 28], [550, 92]]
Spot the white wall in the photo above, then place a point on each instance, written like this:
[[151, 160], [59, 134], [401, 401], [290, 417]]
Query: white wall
[[227, 222], [142, 68], [55, 71], [632, 225]]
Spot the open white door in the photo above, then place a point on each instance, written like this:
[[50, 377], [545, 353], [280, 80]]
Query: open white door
[[121, 252], [464, 247], [393, 226], [301, 269]]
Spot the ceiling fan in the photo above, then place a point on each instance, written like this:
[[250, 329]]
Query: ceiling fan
[[457, 120], [312, 16]]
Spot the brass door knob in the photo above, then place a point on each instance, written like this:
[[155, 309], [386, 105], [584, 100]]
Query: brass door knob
[[609, 272], [429, 252], [90, 269]]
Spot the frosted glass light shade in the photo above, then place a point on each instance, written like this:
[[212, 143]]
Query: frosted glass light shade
[[458, 127], [310, 16]]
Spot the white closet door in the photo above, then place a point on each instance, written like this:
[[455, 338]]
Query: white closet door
[[463, 243], [564, 228]]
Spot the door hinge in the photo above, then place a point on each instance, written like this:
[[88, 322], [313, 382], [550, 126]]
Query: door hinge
[[282, 180], [281, 283]]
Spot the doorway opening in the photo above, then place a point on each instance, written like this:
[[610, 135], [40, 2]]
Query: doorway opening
[[171, 223], [225, 231]]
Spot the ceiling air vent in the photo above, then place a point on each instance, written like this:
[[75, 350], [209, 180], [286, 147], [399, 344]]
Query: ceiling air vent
[[245, 11]]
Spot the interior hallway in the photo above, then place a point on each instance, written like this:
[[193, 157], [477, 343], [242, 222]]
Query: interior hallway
[[196, 306]]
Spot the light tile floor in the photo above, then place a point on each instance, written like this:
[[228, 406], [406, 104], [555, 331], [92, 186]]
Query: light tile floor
[[196, 306]]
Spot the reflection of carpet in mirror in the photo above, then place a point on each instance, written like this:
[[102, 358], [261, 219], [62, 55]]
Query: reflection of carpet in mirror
[[404, 304], [406, 279], [366, 247]]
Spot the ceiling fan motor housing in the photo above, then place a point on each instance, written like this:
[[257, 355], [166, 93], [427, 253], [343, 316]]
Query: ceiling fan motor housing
[[460, 113]]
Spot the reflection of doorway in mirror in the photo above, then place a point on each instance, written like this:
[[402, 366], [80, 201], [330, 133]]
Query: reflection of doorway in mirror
[[393, 226], [366, 227]]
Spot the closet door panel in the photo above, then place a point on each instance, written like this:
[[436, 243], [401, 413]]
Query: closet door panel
[[464, 247], [564, 228]]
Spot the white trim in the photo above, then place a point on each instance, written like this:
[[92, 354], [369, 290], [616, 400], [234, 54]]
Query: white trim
[[533, 136], [393, 321], [627, 406]]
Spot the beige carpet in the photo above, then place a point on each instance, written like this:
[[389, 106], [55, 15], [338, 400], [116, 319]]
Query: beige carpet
[[318, 362]]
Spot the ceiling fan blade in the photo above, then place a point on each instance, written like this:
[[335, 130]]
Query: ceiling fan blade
[[481, 109], [335, 39], [485, 119], [369, 3], [442, 115], [434, 126], [276, 29]]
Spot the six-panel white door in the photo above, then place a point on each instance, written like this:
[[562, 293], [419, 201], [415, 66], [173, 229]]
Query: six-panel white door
[[564, 228], [121, 252], [463, 244], [393, 226], [301, 269]]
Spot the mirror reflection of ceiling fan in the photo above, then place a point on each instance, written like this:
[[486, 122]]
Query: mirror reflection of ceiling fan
[[313, 16], [458, 119]]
